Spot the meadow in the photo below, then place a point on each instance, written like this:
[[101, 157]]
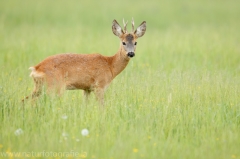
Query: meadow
[[179, 97]]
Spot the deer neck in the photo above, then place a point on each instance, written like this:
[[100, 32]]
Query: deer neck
[[119, 61]]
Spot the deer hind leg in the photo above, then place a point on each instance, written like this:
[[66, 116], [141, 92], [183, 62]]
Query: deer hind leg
[[55, 86], [37, 88]]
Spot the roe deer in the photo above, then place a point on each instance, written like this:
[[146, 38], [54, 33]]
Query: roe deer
[[89, 72]]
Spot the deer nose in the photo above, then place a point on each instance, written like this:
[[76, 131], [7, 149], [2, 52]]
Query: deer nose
[[131, 54]]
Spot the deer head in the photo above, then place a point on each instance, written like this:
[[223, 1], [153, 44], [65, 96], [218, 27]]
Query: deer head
[[129, 40]]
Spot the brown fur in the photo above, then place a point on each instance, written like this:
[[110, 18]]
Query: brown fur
[[89, 72]]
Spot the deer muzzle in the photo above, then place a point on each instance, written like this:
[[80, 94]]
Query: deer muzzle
[[131, 54]]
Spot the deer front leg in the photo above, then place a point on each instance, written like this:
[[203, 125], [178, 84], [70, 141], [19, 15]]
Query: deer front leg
[[86, 94], [99, 93]]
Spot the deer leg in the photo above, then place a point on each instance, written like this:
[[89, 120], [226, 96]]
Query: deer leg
[[99, 93], [37, 89], [34, 94], [55, 86], [86, 94], [54, 89]]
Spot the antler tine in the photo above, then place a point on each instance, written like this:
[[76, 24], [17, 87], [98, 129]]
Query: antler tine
[[132, 25], [125, 25]]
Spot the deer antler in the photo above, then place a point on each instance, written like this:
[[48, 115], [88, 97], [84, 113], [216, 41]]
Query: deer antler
[[132, 25], [125, 26]]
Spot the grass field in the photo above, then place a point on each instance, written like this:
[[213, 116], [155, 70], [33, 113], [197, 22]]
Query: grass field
[[178, 98]]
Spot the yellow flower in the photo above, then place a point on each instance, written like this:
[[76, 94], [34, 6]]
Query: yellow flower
[[10, 154], [1, 146], [83, 155], [135, 150], [8, 150], [234, 156]]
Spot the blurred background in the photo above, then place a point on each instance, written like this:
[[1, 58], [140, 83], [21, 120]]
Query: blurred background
[[177, 31]]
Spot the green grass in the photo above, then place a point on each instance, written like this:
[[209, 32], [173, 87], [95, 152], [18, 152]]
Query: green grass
[[178, 98]]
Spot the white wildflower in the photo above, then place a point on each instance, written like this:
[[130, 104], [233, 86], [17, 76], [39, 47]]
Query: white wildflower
[[18, 132], [85, 132], [64, 116], [65, 134]]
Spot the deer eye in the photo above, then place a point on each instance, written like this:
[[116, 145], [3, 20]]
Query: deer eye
[[135, 43], [123, 43]]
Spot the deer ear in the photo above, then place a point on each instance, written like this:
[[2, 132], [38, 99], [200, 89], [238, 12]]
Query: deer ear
[[116, 28], [140, 31]]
